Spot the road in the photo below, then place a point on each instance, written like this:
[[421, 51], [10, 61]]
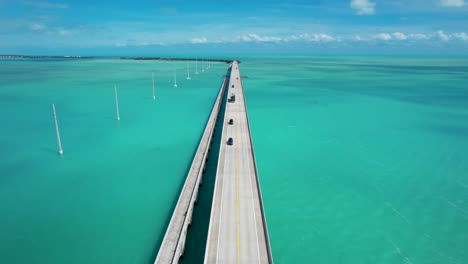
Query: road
[[237, 229]]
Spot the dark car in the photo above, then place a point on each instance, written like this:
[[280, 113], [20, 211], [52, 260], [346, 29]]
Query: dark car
[[232, 86], [231, 121], [230, 141]]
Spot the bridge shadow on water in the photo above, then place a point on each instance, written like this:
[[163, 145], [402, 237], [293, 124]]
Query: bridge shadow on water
[[198, 231]]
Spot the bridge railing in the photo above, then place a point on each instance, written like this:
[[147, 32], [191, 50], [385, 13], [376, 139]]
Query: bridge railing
[[265, 226]]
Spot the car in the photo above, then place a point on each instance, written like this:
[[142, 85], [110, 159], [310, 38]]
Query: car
[[230, 141], [231, 121], [232, 86]]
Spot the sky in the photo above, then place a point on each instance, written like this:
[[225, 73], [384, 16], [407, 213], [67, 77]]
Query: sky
[[111, 27]]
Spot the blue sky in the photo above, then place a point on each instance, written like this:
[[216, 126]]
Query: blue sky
[[175, 26]]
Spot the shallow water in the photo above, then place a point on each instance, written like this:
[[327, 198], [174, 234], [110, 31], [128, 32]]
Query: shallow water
[[362, 160], [110, 197]]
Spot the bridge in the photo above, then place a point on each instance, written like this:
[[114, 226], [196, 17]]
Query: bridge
[[238, 230]]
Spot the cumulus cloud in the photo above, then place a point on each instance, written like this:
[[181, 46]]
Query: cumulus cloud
[[436, 36], [383, 36], [452, 3], [418, 36], [320, 37], [257, 38], [442, 36], [325, 38], [363, 7], [460, 36], [399, 36], [317, 37], [199, 40]]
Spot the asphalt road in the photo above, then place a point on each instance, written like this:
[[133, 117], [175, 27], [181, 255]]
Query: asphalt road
[[236, 233]]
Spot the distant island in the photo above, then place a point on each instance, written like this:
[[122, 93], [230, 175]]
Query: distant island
[[122, 58], [176, 59], [43, 57]]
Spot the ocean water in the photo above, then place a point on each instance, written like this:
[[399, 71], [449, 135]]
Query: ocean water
[[362, 160], [110, 196]]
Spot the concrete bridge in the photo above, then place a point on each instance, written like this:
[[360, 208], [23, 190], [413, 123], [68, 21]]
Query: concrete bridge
[[238, 230]]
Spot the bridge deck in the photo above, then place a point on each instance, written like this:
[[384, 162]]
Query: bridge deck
[[237, 232]]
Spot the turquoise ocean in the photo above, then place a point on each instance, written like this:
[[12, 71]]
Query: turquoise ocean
[[361, 159]]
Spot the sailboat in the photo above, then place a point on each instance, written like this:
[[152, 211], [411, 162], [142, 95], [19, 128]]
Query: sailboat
[[196, 67], [202, 67]]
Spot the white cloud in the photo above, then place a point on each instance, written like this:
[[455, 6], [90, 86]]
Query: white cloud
[[325, 38], [442, 36], [452, 3], [306, 37], [399, 36], [418, 36], [199, 40], [383, 36], [363, 7], [357, 38], [36, 26], [120, 44], [317, 37], [460, 36], [257, 38]]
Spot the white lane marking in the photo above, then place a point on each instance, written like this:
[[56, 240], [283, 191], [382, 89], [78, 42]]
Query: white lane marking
[[253, 210], [245, 139], [224, 180]]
